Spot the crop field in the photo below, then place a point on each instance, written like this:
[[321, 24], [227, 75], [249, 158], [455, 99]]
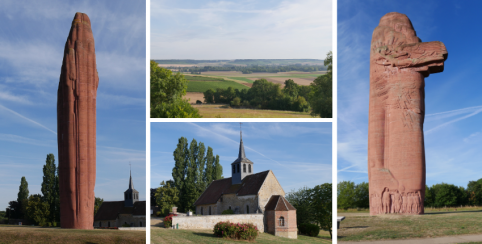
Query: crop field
[[224, 111], [29, 234]]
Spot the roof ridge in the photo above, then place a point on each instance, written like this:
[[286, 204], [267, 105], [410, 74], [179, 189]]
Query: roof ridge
[[276, 206]]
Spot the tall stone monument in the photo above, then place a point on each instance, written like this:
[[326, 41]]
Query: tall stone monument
[[399, 63], [76, 126]]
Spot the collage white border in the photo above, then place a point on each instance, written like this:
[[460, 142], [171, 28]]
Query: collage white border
[[332, 120]]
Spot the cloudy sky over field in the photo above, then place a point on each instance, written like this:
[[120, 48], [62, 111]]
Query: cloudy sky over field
[[32, 40], [299, 154], [453, 121], [246, 29]]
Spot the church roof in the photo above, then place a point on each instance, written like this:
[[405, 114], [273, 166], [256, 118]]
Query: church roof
[[278, 203], [111, 210], [250, 186], [131, 185]]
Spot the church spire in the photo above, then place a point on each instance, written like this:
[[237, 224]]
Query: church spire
[[131, 183], [241, 154]]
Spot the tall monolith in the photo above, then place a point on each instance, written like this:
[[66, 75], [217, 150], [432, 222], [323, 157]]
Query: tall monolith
[[399, 64], [76, 126]]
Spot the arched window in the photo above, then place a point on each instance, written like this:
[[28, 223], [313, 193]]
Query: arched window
[[234, 169], [201, 210], [247, 209], [140, 224], [229, 207], [108, 224], [238, 168], [100, 224], [249, 167], [244, 168], [281, 221], [209, 210]]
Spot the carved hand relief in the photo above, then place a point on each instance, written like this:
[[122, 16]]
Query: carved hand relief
[[399, 63]]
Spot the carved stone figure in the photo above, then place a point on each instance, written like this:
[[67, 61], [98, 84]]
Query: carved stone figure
[[76, 126], [399, 63]]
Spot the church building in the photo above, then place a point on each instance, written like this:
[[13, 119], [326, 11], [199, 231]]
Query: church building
[[130, 212], [245, 192]]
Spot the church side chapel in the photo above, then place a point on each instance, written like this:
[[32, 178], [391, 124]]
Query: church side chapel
[[246, 192], [130, 212]]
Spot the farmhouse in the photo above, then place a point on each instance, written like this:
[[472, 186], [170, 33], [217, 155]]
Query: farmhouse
[[130, 212], [246, 192]]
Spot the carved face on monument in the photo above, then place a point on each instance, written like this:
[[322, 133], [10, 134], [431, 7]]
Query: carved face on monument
[[399, 62]]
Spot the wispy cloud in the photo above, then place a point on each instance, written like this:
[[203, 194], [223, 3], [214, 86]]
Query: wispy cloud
[[25, 118]]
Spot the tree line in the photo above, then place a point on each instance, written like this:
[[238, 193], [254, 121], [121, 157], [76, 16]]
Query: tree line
[[194, 169], [351, 195], [313, 205], [254, 68], [264, 95], [41, 209]]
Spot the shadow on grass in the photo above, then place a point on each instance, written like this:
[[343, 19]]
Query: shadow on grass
[[452, 212], [356, 227], [203, 234]]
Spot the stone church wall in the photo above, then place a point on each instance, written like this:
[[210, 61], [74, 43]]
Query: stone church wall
[[105, 223], [134, 221], [270, 187], [205, 209], [233, 201], [208, 222]]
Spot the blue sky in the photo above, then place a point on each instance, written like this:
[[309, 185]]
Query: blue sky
[[299, 154], [32, 40], [246, 29], [453, 121]]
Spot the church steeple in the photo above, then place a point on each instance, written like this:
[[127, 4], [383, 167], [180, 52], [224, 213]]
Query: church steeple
[[131, 195], [242, 166]]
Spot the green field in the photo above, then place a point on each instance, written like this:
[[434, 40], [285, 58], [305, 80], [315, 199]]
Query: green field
[[203, 83], [29, 234], [223, 111], [242, 79], [434, 223], [162, 235]]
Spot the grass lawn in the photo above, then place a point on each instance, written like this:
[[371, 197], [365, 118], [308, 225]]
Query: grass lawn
[[162, 235], [359, 225], [30, 234], [218, 111]]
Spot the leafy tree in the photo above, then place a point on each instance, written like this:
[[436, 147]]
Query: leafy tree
[[208, 171], [322, 90], [98, 201], [474, 192], [38, 211], [22, 196], [445, 195], [14, 209], [209, 96], [362, 199], [429, 197], [50, 188], [346, 194], [291, 88], [189, 191], [236, 102], [200, 163], [167, 91], [180, 167], [167, 196], [218, 169], [301, 200], [321, 196]]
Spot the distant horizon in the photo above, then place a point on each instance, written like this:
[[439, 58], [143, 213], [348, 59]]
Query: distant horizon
[[236, 59]]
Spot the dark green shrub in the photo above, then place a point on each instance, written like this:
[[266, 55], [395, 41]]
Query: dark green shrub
[[309, 229], [228, 211], [236, 231]]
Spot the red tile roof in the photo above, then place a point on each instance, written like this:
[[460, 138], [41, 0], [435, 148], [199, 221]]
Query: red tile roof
[[278, 203]]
